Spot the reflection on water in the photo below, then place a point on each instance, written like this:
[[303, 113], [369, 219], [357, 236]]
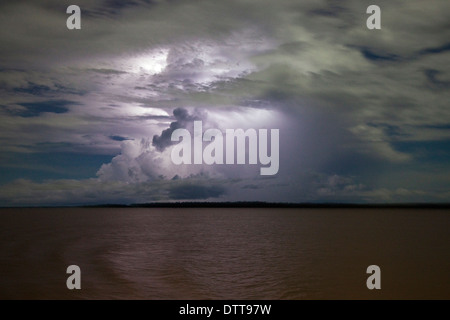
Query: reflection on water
[[224, 253]]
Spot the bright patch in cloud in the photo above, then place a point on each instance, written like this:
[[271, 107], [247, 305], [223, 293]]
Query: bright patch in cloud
[[153, 62]]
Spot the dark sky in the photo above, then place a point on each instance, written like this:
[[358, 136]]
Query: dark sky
[[363, 114]]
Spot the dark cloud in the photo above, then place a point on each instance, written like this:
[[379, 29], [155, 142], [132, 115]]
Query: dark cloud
[[433, 76], [34, 109], [183, 118], [390, 130], [195, 192], [431, 151], [34, 89], [377, 55], [119, 138], [107, 71], [435, 50], [329, 9], [370, 54]]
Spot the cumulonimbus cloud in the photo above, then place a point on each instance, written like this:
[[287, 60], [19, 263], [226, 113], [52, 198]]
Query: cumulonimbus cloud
[[183, 118]]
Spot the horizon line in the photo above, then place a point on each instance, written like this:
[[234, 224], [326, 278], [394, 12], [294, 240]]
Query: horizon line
[[246, 204]]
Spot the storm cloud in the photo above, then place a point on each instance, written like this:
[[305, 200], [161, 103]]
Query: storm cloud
[[88, 114], [182, 116], [195, 192]]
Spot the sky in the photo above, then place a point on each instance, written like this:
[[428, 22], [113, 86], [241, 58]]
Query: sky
[[86, 115]]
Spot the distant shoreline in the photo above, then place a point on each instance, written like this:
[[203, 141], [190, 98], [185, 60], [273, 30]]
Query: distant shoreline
[[251, 204]]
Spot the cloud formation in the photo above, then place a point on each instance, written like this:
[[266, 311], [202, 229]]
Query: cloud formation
[[183, 118], [362, 114]]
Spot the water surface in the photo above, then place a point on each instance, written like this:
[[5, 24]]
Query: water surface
[[210, 253]]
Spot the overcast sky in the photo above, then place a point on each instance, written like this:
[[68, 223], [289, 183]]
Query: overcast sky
[[363, 114]]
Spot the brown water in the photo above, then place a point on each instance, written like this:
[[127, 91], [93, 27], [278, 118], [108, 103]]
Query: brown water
[[224, 253]]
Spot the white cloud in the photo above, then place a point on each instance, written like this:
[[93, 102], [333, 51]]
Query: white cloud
[[139, 161]]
